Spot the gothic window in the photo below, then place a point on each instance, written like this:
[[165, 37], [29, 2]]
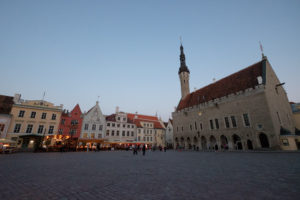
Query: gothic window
[[211, 124], [227, 122], [246, 119], [217, 123], [233, 121]]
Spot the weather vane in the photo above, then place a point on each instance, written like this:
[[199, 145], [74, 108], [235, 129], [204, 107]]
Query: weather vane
[[180, 40], [261, 49]]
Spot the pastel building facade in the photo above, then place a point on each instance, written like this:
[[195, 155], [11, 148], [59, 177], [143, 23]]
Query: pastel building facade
[[93, 124], [33, 118], [71, 123], [120, 129]]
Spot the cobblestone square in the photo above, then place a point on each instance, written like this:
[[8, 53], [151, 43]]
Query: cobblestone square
[[158, 175]]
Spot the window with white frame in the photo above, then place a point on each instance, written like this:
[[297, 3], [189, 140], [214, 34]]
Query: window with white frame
[[21, 113], [40, 129], [32, 114], [53, 117], [29, 128], [17, 128], [51, 128], [44, 115]]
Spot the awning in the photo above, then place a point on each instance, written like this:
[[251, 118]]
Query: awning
[[7, 141], [31, 135], [91, 140]]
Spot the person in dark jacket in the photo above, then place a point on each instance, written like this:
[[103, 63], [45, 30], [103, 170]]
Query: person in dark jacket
[[144, 150]]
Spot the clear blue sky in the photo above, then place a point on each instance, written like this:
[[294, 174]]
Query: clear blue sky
[[127, 52]]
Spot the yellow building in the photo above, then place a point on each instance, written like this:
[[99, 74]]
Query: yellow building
[[32, 120]]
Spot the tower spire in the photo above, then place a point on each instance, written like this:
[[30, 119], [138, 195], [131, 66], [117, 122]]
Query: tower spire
[[184, 74], [183, 67]]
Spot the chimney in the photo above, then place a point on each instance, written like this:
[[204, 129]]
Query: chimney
[[136, 115], [117, 109]]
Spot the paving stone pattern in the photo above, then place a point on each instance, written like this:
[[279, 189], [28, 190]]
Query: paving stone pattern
[[158, 175]]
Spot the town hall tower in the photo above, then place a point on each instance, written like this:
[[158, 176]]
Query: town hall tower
[[184, 75]]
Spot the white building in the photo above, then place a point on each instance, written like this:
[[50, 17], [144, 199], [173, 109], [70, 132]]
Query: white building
[[120, 130], [93, 125]]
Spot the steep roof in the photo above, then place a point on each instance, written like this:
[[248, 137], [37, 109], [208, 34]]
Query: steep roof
[[112, 118], [145, 118], [241, 80], [6, 103]]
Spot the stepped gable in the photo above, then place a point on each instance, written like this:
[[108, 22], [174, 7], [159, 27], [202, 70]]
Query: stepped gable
[[241, 80], [6, 103]]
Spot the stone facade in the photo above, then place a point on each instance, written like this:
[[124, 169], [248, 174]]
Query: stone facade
[[93, 124], [169, 134], [296, 114], [246, 110]]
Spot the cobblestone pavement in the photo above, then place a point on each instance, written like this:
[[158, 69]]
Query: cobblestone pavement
[[158, 175]]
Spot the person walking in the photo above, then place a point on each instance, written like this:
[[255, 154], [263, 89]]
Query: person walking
[[144, 150], [135, 150]]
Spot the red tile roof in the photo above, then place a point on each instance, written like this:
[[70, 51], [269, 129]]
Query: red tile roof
[[241, 80], [111, 118], [145, 118]]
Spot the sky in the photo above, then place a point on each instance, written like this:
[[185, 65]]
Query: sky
[[127, 52]]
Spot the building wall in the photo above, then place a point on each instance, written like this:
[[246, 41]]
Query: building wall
[[4, 124], [252, 102], [169, 134], [116, 129], [96, 118], [160, 137], [278, 104], [67, 126], [34, 106], [146, 133], [297, 120]]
